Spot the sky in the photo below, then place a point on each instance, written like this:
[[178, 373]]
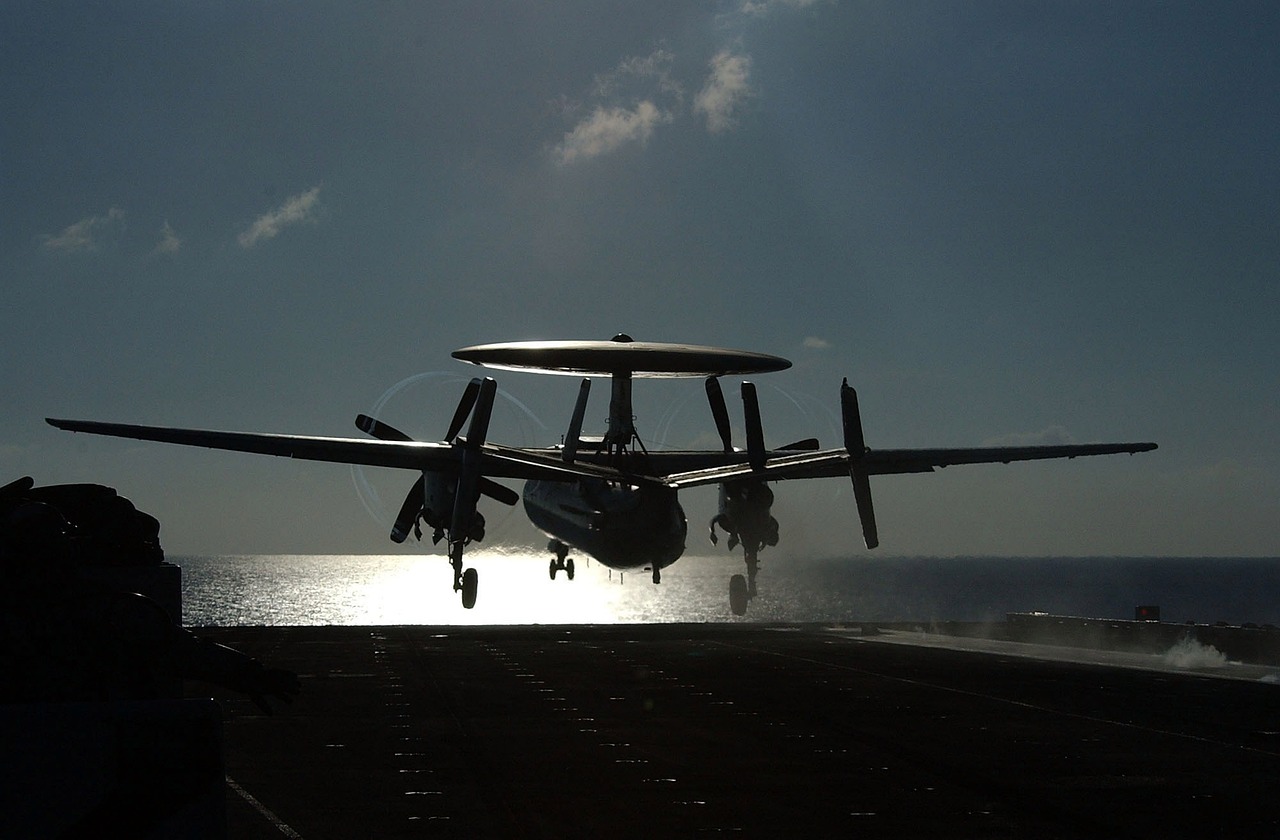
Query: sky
[[1004, 222]]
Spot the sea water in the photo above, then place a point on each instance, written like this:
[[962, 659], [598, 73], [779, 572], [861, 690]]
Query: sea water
[[516, 588]]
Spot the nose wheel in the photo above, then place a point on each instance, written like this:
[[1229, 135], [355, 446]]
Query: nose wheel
[[561, 562]]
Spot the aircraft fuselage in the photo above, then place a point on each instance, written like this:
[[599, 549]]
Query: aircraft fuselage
[[623, 527]]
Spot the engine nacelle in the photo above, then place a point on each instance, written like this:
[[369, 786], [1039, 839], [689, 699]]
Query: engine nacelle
[[745, 515], [439, 494]]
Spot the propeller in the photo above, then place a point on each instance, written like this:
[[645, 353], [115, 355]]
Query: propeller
[[408, 515], [719, 411], [378, 429], [755, 431], [751, 412], [465, 405], [857, 449], [467, 492], [575, 423]]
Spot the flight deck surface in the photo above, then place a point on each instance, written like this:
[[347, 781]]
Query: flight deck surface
[[733, 730]]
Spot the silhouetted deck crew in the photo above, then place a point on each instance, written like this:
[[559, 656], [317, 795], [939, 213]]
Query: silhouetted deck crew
[[65, 637]]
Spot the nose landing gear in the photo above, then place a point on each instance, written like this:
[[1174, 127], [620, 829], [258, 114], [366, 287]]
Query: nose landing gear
[[561, 562]]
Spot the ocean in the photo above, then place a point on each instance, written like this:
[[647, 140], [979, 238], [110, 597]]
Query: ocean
[[515, 588]]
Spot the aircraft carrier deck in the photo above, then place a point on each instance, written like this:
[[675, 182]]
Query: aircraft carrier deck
[[738, 730]]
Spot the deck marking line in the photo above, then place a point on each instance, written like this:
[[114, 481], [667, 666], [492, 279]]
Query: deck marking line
[[280, 824]]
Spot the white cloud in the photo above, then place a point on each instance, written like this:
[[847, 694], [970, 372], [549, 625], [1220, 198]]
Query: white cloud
[[297, 209], [814, 343], [80, 236], [169, 241], [725, 89], [608, 128], [652, 81]]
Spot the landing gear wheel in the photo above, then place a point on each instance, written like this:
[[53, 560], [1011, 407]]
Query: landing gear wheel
[[470, 583], [562, 561], [738, 595]]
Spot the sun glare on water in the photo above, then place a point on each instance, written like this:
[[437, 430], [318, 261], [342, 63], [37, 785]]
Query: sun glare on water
[[515, 588]]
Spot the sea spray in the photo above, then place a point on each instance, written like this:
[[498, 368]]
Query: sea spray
[[1189, 653]]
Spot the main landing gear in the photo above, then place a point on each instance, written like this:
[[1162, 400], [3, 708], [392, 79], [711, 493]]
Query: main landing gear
[[562, 562], [465, 581], [743, 589]]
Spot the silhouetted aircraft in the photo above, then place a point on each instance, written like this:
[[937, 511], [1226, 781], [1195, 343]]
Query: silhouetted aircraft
[[606, 496]]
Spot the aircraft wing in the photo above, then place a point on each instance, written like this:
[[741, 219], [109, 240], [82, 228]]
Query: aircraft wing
[[496, 461], [547, 465], [832, 463]]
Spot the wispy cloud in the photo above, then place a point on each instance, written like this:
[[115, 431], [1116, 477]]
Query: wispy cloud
[[83, 235], [812, 342], [608, 128], [169, 241], [652, 70], [297, 209], [762, 7], [630, 101], [724, 90], [642, 92]]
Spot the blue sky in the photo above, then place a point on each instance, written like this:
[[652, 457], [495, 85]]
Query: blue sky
[[1004, 222]]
